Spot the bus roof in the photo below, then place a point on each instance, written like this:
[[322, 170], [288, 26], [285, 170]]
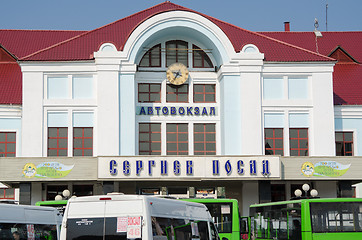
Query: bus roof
[[11, 213], [306, 200], [125, 204], [210, 200], [51, 203]]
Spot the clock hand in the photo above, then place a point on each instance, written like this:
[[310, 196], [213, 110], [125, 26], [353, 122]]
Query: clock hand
[[177, 74]]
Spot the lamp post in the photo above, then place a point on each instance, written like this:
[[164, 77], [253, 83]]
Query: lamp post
[[298, 193], [305, 188]]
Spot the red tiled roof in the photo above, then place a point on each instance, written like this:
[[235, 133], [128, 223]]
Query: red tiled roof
[[351, 42], [347, 77], [42, 45], [10, 83], [83, 46], [347, 84], [24, 42]]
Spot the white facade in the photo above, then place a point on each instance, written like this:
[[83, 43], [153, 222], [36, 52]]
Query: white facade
[[251, 94]]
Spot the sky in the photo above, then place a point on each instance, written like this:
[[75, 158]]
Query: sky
[[254, 15]]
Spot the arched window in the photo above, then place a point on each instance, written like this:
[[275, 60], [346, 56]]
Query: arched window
[[152, 57], [200, 58], [176, 51]]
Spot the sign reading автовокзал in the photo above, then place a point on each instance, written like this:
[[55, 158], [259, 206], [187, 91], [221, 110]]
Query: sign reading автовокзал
[[171, 167]]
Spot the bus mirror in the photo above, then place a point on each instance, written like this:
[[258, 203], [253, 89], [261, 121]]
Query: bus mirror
[[224, 238]]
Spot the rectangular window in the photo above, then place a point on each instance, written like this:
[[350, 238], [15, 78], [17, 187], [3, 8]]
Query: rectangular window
[[204, 139], [58, 87], [83, 141], [344, 143], [274, 141], [149, 139], [297, 88], [298, 140], [7, 193], [177, 138], [82, 190], [204, 93], [7, 144], [177, 93], [57, 141], [273, 88], [149, 92], [336, 217], [82, 87], [54, 190]]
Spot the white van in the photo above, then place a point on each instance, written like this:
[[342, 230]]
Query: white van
[[108, 217], [29, 222]]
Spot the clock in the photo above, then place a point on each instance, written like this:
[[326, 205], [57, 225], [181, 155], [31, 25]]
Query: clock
[[177, 73]]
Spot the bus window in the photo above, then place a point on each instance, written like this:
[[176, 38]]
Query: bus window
[[222, 215], [277, 221], [168, 228], [8, 231], [336, 217], [244, 227]]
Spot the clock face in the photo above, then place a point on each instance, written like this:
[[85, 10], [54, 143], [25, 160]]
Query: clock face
[[177, 73]]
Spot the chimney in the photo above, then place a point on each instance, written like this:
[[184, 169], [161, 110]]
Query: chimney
[[286, 27]]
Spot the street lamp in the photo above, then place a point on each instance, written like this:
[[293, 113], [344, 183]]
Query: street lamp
[[305, 188]]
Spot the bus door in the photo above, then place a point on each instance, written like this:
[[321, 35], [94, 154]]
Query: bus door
[[244, 227]]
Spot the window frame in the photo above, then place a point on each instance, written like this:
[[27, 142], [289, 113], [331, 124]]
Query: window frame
[[57, 138], [273, 138], [149, 142], [149, 55], [83, 138], [177, 43], [6, 143], [177, 141], [299, 149], [3, 196], [204, 142], [204, 93], [204, 57], [177, 93], [149, 92], [343, 142], [69, 88]]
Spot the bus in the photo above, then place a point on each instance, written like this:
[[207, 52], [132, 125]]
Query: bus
[[58, 204], [122, 217], [29, 222], [308, 219], [226, 216]]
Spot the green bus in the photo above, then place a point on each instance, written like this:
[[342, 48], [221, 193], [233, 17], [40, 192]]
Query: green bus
[[58, 204], [308, 219], [226, 216]]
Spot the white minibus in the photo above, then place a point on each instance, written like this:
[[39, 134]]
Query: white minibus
[[121, 217], [29, 222]]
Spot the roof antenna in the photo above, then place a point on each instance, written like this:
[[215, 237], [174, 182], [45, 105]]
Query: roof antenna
[[327, 17]]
